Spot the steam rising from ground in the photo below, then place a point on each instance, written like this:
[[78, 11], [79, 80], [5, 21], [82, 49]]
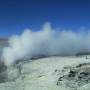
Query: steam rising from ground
[[47, 42]]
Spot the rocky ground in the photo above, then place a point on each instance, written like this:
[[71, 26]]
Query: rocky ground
[[51, 73], [76, 76]]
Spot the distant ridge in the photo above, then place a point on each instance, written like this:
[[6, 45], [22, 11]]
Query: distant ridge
[[83, 53], [3, 41]]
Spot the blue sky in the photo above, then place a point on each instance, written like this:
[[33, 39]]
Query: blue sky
[[16, 15]]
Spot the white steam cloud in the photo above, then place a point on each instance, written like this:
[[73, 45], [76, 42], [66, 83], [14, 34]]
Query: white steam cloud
[[46, 41]]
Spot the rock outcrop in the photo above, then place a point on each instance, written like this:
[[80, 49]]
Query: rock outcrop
[[76, 76]]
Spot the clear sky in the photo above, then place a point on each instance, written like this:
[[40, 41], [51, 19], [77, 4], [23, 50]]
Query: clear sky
[[16, 15]]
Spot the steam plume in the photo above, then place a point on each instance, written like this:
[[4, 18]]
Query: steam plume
[[46, 41]]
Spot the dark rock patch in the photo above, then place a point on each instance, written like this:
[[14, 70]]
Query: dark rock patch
[[3, 72], [77, 76]]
